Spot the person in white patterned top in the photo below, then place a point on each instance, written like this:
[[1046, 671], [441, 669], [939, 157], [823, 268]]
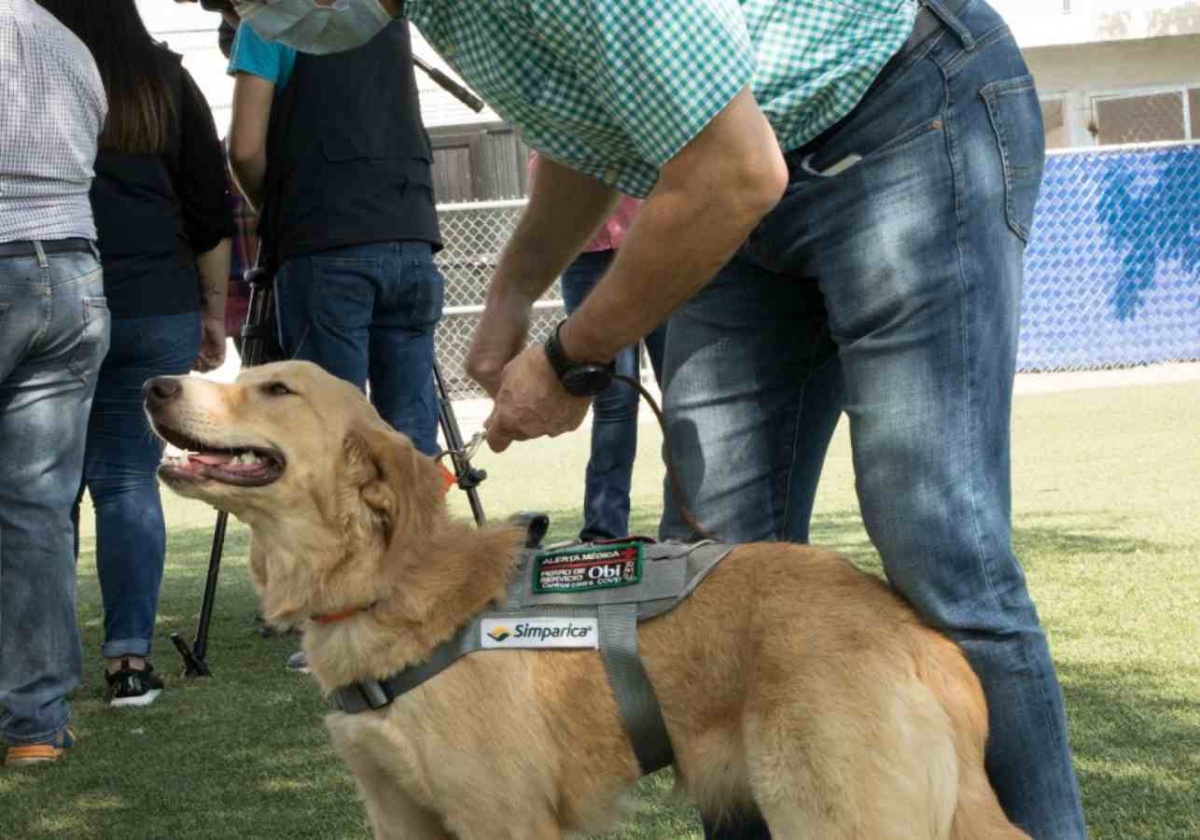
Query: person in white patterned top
[[54, 327]]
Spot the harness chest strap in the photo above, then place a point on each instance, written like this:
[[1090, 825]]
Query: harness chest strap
[[666, 574]]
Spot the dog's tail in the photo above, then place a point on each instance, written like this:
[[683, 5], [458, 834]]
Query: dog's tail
[[977, 814]]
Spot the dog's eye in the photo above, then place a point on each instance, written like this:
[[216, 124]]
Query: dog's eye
[[276, 389]]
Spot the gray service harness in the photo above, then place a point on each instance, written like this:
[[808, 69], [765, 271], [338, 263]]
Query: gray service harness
[[578, 596]]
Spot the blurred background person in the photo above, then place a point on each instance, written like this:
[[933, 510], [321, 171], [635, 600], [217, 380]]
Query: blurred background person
[[53, 334], [615, 411], [244, 251], [165, 227], [332, 153]]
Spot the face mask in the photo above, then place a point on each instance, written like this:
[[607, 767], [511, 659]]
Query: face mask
[[305, 26]]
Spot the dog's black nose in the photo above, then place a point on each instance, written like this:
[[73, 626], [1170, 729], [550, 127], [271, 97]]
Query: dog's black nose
[[161, 390]]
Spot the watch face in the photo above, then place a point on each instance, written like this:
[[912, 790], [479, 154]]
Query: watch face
[[587, 380]]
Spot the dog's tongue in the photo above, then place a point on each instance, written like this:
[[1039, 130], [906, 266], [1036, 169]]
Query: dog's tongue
[[212, 459]]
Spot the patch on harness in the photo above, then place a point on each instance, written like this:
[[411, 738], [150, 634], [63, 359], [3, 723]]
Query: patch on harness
[[499, 633], [586, 568]]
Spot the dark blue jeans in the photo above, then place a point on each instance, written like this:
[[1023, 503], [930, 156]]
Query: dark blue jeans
[[53, 334], [891, 291], [367, 314], [614, 415], [119, 473]]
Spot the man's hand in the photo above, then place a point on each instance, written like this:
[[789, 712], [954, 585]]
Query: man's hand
[[498, 338], [532, 402], [564, 210], [212, 344]]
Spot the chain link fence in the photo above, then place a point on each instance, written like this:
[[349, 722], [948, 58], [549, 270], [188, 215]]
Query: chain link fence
[[1112, 272], [1141, 118], [1112, 275], [474, 234]]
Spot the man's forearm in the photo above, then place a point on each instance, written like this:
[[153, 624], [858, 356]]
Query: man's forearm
[[672, 250], [708, 200], [565, 209]]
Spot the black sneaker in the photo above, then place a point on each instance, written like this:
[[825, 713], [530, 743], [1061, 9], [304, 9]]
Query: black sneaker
[[127, 687]]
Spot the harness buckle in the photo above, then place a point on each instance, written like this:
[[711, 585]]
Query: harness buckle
[[375, 695]]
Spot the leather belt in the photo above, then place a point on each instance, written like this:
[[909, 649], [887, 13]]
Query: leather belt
[[927, 23], [926, 26], [49, 246]]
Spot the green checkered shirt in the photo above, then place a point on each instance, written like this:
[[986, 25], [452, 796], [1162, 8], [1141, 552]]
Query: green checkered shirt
[[615, 88]]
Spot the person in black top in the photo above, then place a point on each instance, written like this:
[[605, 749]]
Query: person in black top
[[332, 153], [164, 227]]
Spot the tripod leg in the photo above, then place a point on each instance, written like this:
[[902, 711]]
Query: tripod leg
[[468, 477], [195, 662], [258, 343]]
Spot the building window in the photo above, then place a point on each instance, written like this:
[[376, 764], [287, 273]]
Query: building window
[[1054, 119], [1140, 118]]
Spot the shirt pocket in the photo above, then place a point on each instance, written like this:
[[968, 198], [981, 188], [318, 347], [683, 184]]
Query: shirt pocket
[[1016, 119]]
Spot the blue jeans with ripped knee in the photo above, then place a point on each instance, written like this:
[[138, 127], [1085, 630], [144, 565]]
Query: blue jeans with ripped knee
[[890, 290], [54, 326]]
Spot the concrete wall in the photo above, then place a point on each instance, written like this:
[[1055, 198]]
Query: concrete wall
[[1078, 72]]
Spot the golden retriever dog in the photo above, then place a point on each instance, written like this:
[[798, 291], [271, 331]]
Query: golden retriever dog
[[788, 681]]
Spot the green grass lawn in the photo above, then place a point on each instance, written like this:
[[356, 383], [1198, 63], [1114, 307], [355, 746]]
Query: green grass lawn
[[1107, 495]]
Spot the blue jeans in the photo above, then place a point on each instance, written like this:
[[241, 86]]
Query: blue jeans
[[614, 415], [53, 334], [119, 471], [367, 313], [891, 291]]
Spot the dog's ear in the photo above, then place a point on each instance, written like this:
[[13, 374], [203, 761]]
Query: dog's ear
[[370, 470], [390, 478]]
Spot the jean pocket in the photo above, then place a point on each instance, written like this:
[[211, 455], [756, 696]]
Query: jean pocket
[[1016, 119], [90, 349], [424, 286], [4, 307]]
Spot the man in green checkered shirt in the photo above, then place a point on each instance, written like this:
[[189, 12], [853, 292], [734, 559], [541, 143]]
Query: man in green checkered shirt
[[839, 193]]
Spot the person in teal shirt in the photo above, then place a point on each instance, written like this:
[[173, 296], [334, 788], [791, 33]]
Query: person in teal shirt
[[270, 60]]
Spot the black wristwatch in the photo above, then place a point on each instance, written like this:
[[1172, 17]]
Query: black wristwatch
[[580, 380]]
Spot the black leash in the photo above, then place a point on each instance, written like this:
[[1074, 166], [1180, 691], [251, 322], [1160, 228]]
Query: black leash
[[461, 453]]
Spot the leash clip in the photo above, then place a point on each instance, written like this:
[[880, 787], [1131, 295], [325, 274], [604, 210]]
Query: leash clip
[[468, 450]]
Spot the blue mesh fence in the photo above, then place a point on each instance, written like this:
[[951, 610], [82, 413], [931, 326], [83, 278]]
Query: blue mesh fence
[[1112, 273]]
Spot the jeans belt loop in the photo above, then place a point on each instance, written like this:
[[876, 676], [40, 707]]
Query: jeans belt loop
[[94, 249], [951, 20], [43, 262]]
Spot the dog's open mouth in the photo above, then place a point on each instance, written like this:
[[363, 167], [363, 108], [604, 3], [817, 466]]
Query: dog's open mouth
[[243, 466]]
